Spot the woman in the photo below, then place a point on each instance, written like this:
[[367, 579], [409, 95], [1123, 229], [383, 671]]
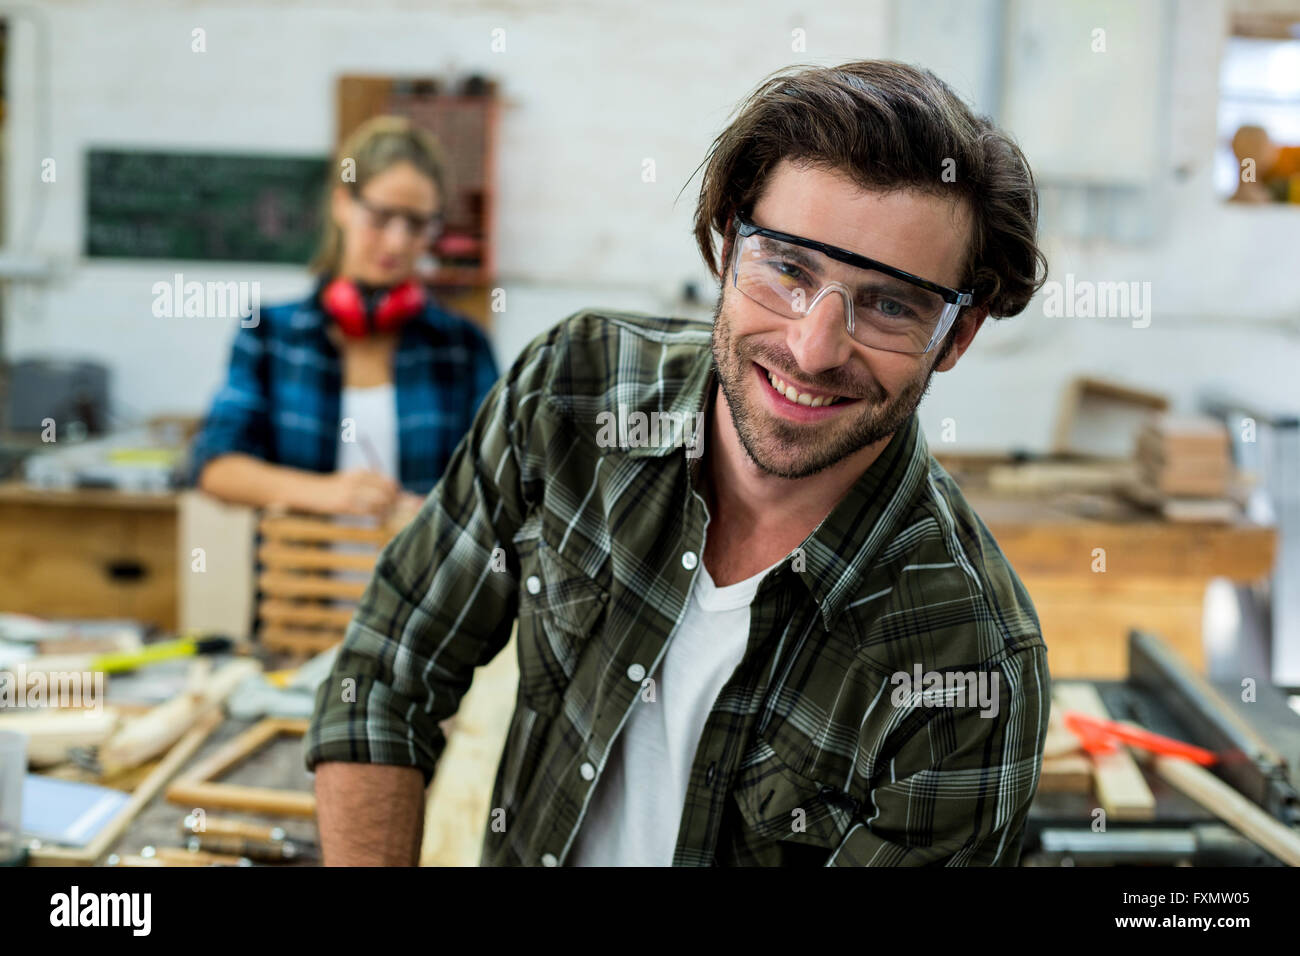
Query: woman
[[353, 399]]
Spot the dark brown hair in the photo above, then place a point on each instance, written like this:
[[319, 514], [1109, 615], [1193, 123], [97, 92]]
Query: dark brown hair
[[378, 144], [888, 126]]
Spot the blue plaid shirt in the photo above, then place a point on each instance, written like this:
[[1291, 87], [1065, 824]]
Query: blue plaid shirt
[[280, 401]]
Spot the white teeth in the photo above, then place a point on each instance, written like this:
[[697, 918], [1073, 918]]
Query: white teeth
[[803, 398]]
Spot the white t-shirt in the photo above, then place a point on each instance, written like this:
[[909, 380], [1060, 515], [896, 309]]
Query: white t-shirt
[[372, 428], [373, 415], [636, 809]]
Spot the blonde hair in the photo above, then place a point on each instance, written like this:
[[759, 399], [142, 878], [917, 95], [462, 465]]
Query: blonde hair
[[376, 145]]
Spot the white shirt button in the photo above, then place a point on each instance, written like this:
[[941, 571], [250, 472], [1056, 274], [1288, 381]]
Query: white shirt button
[[548, 859], [636, 672], [534, 584], [588, 771], [689, 560]]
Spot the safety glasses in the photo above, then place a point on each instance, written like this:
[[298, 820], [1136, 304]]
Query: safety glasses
[[884, 308]]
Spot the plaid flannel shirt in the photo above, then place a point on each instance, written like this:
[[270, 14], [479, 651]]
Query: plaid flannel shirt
[[282, 396], [810, 755]]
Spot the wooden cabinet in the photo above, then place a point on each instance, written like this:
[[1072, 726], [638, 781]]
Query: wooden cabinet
[[83, 553]]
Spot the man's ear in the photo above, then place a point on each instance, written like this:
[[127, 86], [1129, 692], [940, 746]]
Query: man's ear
[[963, 333]]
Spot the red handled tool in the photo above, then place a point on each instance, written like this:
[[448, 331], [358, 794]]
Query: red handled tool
[[1098, 736]]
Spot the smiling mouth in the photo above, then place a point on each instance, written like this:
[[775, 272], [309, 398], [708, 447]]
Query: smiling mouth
[[795, 395]]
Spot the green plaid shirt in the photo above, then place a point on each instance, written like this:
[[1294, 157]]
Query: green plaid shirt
[[815, 751]]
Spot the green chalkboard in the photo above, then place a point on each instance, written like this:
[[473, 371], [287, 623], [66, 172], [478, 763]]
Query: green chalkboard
[[164, 205]]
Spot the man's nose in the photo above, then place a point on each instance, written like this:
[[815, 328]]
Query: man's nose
[[820, 340]]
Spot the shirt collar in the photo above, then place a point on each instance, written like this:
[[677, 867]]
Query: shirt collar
[[840, 551]]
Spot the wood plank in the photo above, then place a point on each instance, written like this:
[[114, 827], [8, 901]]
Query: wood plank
[[459, 804], [22, 493], [1121, 789], [1143, 548], [1050, 477], [219, 600], [233, 751], [274, 611], [1060, 742], [283, 557], [295, 641], [1071, 773], [198, 788], [1226, 803], [279, 584], [298, 528], [229, 796]]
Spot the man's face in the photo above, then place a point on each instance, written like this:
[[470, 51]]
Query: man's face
[[878, 390]]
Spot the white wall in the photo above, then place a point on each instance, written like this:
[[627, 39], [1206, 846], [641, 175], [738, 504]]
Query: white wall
[[593, 89]]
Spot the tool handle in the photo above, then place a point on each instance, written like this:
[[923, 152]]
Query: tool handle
[[226, 827], [1099, 736]]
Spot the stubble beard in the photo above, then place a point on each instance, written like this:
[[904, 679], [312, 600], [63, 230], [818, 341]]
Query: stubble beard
[[785, 449]]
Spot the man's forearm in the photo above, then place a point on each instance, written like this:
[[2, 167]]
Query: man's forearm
[[369, 814]]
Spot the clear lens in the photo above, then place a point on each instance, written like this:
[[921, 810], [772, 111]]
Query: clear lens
[[421, 227], [881, 311]]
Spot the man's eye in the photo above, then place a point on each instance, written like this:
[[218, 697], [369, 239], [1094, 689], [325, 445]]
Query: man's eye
[[890, 308], [787, 270]]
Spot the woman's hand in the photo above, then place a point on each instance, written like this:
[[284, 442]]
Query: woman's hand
[[355, 492], [406, 507]]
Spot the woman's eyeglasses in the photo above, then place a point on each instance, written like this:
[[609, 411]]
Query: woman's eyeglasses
[[884, 308], [415, 224]]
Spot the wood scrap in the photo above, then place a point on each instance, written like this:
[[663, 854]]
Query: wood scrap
[[1230, 806], [148, 735], [166, 769], [1060, 742], [1185, 468], [1066, 768], [1054, 477], [1101, 419], [1071, 773], [197, 787], [1120, 787], [51, 733]]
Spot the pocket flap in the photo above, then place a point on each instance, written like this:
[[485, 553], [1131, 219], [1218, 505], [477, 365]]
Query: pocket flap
[[779, 804]]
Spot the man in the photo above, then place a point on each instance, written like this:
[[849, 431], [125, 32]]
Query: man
[[782, 638]]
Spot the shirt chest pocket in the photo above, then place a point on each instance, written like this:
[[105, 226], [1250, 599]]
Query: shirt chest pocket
[[790, 820], [560, 608]]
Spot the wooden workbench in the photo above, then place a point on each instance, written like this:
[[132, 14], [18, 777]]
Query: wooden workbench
[[1155, 576]]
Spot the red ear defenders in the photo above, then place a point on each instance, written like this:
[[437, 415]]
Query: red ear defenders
[[358, 314]]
